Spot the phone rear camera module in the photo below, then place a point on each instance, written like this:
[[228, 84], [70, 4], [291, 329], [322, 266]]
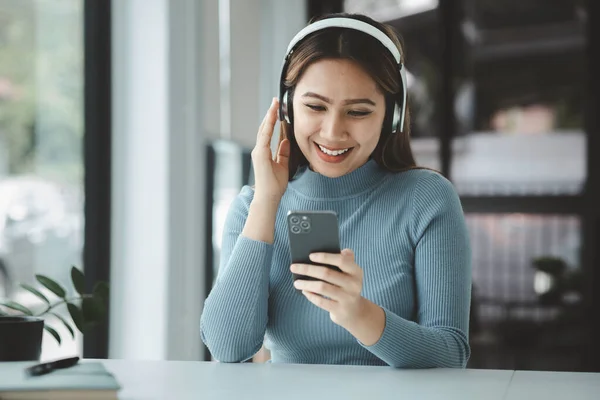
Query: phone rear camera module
[[295, 220], [305, 225], [295, 229]]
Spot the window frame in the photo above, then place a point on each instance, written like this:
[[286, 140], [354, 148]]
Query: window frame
[[97, 160]]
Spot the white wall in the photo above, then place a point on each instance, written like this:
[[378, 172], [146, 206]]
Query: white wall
[[140, 202], [188, 58], [281, 21], [260, 31], [157, 180], [168, 100], [244, 24], [209, 38]]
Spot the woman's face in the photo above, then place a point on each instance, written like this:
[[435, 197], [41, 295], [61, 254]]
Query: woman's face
[[338, 116]]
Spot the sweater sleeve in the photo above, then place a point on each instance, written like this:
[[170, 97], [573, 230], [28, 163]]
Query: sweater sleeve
[[234, 318], [442, 266]]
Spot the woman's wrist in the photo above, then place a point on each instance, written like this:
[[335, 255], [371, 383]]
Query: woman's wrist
[[369, 324], [266, 202], [260, 223]]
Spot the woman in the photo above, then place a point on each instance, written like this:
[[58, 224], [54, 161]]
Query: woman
[[402, 296]]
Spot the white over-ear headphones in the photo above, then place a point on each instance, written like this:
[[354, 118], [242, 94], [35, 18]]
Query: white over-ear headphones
[[285, 111]]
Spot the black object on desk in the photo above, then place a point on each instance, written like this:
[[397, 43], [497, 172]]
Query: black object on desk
[[44, 368], [20, 338]]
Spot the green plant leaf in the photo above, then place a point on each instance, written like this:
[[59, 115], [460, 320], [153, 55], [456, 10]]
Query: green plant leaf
[[76, 315], [92, 309], [53, 332], [101, 290], [17, 306], [36, 292], [51, 285], [78, 280], [65, 323]]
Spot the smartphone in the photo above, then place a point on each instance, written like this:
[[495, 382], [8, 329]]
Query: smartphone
[[312, 232]]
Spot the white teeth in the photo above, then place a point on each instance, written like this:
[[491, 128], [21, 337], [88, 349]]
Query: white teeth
[[332, 152]]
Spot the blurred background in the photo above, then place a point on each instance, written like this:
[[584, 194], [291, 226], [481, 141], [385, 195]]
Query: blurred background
[[126, 129]]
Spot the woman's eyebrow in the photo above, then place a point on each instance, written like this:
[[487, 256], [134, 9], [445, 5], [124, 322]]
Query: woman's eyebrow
[[348, 101]]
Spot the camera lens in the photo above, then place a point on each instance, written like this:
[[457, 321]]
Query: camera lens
[[294, 220], [296, 229], [305, 225]]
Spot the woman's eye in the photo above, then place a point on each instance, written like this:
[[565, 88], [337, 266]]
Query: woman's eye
[[353, 113], [359, 113], [315, 107]]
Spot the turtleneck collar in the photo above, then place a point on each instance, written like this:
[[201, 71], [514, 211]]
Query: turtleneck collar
[[312, 184]]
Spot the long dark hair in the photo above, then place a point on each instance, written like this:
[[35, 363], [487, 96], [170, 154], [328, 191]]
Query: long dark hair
[[393, 151]]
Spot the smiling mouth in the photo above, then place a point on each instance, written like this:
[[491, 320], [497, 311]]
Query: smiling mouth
[[333, 152]]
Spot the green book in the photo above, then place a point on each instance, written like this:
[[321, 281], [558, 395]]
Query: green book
[[86, 380]]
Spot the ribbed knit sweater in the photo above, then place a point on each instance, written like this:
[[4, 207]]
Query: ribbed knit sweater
[[409, 236]]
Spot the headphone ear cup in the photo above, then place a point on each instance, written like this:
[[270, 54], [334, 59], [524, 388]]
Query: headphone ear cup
[[396, 120], [289, 109], [283, 108]]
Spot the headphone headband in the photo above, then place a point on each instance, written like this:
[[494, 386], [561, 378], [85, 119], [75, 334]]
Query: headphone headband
[[349, 23], [285, 109]]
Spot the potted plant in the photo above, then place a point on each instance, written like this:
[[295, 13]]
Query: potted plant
[[21, 326]]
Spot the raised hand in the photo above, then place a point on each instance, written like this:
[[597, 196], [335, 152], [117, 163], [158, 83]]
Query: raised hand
[[270, 173]]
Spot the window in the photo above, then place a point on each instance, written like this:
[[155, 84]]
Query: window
[[389, 9], [527, 292], [416, 22], [41, 152], [519, 101], [507, 81]]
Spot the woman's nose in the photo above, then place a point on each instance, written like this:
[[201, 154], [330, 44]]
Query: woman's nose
[[333, 127]]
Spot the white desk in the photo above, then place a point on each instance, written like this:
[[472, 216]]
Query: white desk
[[533, 385], [201, 380]]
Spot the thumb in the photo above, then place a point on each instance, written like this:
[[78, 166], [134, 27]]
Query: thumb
[[348, 254], [283, 153]]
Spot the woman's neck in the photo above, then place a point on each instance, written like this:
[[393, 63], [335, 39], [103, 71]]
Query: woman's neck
[[312, 184]]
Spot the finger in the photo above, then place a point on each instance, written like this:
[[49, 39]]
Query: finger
[[266, 130], [283, 153], [319, 301], [262, 124], [326, 258], [323, 273], [343, 260], [319, 287]]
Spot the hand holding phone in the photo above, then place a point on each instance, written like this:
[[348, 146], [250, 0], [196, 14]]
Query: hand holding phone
[[312, 232], [340, 294]]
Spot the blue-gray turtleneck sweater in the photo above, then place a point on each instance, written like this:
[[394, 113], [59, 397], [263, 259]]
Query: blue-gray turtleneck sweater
[[409, 236]]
